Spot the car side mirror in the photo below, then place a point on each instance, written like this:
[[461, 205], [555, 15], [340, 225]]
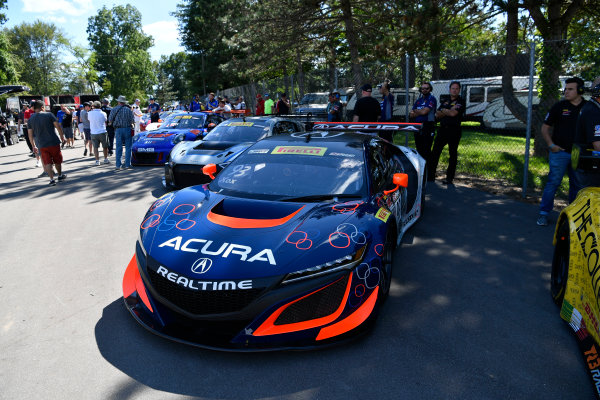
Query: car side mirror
[[210, 170], [399, 179]]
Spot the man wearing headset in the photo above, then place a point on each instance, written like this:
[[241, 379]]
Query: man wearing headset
[[423, 111], [587, 141], [558, 131]]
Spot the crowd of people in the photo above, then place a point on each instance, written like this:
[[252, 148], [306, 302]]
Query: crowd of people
[[572, 122]]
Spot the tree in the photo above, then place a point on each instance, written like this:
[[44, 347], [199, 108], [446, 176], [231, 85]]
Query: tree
[[552, 19], [122, 59], [175, 68], [37, 48], [8, 72]]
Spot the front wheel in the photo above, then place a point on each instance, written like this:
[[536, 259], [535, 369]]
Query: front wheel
[[560, 262]]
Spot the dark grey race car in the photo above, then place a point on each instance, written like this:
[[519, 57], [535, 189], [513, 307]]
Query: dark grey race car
[[221, 146]]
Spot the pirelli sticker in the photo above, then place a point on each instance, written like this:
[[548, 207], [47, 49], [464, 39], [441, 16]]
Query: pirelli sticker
[[300, 150], [382, 214]]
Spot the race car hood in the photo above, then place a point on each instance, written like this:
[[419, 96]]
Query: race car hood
[[233, 238], [202, 153]]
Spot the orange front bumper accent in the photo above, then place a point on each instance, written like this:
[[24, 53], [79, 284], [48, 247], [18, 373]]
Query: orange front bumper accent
[[132, 282], [269, 328]]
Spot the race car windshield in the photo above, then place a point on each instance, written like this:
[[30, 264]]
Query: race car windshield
[[313, 98], [285, 172], [237, 132], [184, 122]]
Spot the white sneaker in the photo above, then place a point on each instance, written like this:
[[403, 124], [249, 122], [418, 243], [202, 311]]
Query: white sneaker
[[38, 163], [106, 161], [97, 162]]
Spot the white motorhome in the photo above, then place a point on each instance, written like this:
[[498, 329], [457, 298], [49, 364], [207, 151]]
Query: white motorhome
[[479, 92], [399, 110]]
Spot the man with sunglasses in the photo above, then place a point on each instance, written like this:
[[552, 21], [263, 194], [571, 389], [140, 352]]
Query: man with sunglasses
[[423, 112]]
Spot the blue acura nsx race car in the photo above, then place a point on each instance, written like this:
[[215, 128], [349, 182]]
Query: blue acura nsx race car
[[291, 245], [154, 147], [220, 146]]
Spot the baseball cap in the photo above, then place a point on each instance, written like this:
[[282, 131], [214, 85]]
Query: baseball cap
[[266, 94], [367, 87]]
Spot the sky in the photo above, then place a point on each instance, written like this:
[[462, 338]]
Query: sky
[[72, 17]]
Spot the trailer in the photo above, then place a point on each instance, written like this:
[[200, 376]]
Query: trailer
[[479, 92]]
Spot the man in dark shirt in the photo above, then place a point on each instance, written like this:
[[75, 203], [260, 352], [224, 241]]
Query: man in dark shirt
[[587, 141], [283, 105], [154, 109], [450, 114], [110, 130], [366, 109], [563, 118], [42, 125]]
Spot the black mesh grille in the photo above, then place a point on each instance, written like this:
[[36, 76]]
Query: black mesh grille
[[320, 304], [145, 158], [185, 176], [203, 302]]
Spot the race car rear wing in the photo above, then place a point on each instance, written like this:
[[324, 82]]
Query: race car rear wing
[[368, 126]]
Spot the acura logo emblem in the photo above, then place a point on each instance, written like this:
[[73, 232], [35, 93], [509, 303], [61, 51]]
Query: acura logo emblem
[[201, 265]]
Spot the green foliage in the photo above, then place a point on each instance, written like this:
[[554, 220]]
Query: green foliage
[[584, 50], [175, 69], [37, 48], [122, 59], [8, 72], [2, 15]]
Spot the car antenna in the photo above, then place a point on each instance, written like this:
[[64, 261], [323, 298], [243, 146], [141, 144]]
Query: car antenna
[[308, 137]]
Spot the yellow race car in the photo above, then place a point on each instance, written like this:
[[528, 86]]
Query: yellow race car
[[575, 281]]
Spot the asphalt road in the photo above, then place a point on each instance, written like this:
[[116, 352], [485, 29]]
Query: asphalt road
[[469, 315]]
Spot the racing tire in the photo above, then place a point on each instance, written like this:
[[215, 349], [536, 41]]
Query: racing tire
[[560, 262], [387, 262]]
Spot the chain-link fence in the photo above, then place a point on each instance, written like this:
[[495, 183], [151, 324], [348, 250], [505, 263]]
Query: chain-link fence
[[498, 119]]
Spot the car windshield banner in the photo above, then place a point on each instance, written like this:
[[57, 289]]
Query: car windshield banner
[[368, 126]]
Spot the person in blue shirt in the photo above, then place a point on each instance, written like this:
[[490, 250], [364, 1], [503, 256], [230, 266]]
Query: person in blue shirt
[[423, 112], [211, 103], [154, 110], [387, 105], [195, 104]]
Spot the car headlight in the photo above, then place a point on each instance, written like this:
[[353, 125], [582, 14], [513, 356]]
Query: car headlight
[[347, 262], [179, 138], [136, 138]]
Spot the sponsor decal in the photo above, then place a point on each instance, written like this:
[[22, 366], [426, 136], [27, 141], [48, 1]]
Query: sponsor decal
[[240, 124], [224, 250], [591, 316], [186, 117], [383, 214], [259, 151], [597, 130], [566, 111], [589, 246], [146, 150], [301, 150], [378, 127], [159, 135], [203, 285], [593, 363], [341, 154], [317, 135], [201, 265]]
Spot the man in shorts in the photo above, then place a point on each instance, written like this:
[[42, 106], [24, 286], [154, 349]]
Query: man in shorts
[[97, 119], [42, 125], [67, 125]]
